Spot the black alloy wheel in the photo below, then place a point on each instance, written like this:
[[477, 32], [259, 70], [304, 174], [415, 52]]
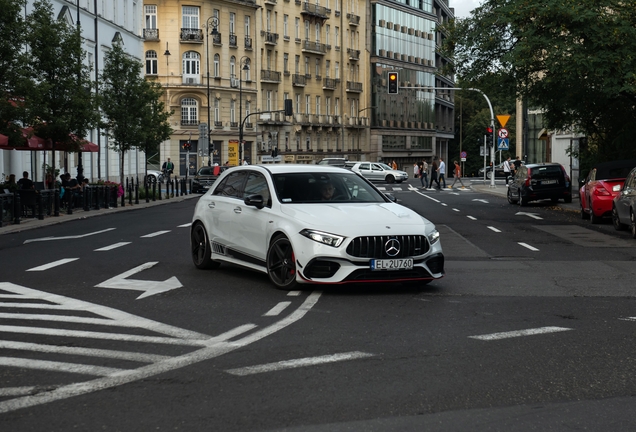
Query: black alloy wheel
[[390, 179], [511, 200], [616, 221], [200, 248], [281, 263]]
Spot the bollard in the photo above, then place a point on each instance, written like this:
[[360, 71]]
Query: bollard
[[56, 203], [40, 207], [69, 201], [137, 192], [130, 186], [17, 208], [86, 198]]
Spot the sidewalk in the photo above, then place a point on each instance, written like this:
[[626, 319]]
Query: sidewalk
[[32, 223]]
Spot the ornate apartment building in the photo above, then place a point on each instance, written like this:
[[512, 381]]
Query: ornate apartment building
[[231, 64]]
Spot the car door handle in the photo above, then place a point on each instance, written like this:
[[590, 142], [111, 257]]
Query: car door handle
[[237, 210], [211, 205]]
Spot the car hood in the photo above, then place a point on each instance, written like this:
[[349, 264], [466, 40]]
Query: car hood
[[356, 217]]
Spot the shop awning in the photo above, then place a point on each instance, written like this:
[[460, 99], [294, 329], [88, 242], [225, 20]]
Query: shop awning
[[35, 143], [4, 140]]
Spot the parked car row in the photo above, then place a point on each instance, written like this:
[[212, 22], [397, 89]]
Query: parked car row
[[624, 205], [602, 185], [534, 182]]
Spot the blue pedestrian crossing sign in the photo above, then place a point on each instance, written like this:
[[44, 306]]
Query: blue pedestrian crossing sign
[[503, 143]]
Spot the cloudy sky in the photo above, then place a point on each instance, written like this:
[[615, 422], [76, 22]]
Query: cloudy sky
[[463, 7]]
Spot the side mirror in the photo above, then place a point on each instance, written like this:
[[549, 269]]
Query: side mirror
[[255, 201], [391, 197]]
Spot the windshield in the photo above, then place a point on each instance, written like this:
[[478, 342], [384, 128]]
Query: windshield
[[311, 187]]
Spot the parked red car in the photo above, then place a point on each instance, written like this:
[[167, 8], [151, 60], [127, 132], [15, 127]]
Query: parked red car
[[600, 187]]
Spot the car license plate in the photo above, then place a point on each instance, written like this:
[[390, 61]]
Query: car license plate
[[544, 182], [392, 264]]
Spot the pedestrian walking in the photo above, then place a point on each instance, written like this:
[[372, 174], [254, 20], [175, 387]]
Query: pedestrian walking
[[441, 177], [394, 164], [506, 168], [416, 170], [457, 175], [424, 174], [434, 179]]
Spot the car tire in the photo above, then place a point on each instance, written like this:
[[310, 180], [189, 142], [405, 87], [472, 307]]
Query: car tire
[[511, 200], [632, 224], [616, 221], [584, 215], [201, 249], [489, 175], [390, 179], [281, 263], [568, 199], [595, 219]]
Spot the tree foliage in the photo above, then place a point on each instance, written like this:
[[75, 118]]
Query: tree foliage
[[58, 100], [11, 24], [134, 117], [575, 59]]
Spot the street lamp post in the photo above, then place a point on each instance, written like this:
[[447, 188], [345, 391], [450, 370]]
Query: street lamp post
[[215, 23], [244, 64]]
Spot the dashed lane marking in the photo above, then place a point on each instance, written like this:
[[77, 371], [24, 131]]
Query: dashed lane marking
[[276, 310], [526, 245], [518, 333], [492, 228], [67, 237], [154, 234], [53, 264], [111, 247], [296, 363]]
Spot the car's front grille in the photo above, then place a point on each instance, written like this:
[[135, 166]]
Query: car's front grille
[[375, 246]]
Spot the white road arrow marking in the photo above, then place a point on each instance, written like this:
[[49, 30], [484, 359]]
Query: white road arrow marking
[[67, 237], [532, 215], [481, 200], [149, 287]]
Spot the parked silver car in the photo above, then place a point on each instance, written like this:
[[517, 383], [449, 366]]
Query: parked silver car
[[154, 176], [376, 171], [624, 206]]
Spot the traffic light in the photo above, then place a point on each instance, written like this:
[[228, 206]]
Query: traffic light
[[489, 139], [289, 107], [186, 146], [393, 83]]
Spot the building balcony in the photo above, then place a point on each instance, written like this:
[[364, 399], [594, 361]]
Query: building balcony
[[314, 10], [233, 41], [218, 124], [271, 2], [189, 122], [299, 80], [354, 20], [270, 38], [354, 54], [270, 76], [191, 35], [354, 87], [233, 124], [314, 47], [216, 39], [151, 35], [249, 125], [248, 43]]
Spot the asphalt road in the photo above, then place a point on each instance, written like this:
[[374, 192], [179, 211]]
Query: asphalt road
[[107, 325]]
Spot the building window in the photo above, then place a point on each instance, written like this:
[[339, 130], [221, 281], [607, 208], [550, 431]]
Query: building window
[[268, 100], [217, 111], [217, 66], [190, 17], [297, 64], [247, 25], [306, 65], [327, 67], [191, 64], [232, 23], [308, 104], [189, 116], [151, 62], [306, 30], [317, 67], [317, 105], [328, 105], [336, 35], [298, 104], [232, 111], [285, 25], [151, 16], [327, 30], [232, 67], [318, 29], [337, 107], [337, 70], [286, 62], [297, 36]]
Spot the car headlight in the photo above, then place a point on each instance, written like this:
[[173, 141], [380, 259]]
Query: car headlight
[[323, 237], [433, 237]]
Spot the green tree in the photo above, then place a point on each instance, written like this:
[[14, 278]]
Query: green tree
[[11, 97], [133, 115], [576, 59], [59, 103]]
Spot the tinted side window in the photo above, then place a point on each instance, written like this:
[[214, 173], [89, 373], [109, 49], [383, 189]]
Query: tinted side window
[[232, 185], [257, 185], [205, 171], [364, 166]]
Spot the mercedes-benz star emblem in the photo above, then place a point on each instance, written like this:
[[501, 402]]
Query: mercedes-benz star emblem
[[392, 247]]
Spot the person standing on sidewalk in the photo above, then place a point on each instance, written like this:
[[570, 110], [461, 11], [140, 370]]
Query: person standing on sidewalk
[[506, 168], [168, 169], [458, 175], [442, 173], [424, 174]]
